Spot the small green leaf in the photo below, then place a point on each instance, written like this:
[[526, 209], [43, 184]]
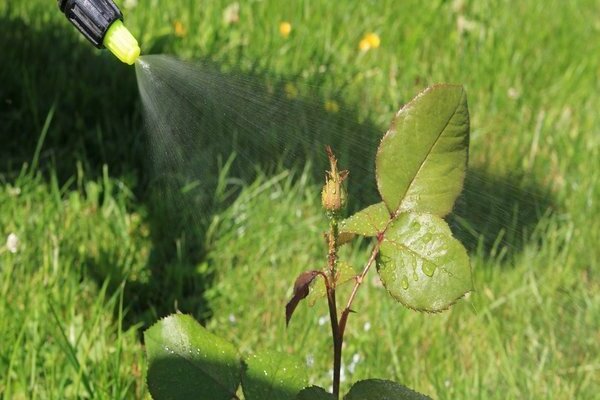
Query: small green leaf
[[377, 389], [185, 361], [421, 264], [422, 159], [367, 222], [345, 274], [345, 237], [314, 393], [273, 376]]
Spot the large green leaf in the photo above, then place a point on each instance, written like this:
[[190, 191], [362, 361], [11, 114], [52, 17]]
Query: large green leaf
[[421, 264], [377, 389], [367, 222], [273, 376], [422, 159], [185, 361], [314, 393]]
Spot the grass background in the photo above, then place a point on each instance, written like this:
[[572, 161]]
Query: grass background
[[102, 254]]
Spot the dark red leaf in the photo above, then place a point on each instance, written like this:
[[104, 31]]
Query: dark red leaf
[[301, 289]]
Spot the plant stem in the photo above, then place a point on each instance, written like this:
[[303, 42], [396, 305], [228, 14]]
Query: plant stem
[[331, 301], [332, 245], [359, 280], [337, 342]]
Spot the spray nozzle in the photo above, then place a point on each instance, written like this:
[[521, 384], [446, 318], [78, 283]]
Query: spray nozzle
[[101, 22]]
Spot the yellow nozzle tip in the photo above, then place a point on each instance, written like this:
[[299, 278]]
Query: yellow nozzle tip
[[121, 43]]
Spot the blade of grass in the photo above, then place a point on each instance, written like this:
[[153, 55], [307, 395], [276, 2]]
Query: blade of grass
[[70, 352]]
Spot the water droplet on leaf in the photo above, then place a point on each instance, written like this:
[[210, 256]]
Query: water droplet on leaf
[[428, 269], [404, 283]]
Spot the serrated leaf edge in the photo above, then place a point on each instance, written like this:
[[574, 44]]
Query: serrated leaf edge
[[385, 380], [393, 125], [429, 311]]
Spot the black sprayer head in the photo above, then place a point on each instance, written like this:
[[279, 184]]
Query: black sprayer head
[[102, 23], [91, 17]]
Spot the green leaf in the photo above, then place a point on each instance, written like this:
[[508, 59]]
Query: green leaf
[[273, 376], [421, 264], [188, 362], [422, 159], [377, 389], [367, 222], [345, 274], [314, 393]]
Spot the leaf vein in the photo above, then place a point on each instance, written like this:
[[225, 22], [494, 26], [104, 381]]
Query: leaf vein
[[427, 153]]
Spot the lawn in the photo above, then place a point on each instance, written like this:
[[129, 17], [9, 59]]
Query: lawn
[[96, 245]]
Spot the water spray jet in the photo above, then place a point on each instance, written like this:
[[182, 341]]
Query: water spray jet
[[101, 22]]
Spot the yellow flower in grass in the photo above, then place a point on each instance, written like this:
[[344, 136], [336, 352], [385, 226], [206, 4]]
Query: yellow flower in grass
[[373, 39], [179, 29], [291, 91], [369, 41], [332, 106], [285, 28]]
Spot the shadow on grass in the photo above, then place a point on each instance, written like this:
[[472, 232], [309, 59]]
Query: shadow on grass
[[175, 169], [496, 215], [96, 120]]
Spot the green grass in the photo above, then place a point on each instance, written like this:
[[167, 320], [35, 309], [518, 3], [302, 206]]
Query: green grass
[[100, 256]]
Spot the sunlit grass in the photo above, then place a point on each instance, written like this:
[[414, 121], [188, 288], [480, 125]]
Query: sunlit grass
[[530, 330]]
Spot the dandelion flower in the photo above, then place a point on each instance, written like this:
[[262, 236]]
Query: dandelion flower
[[231, 14], [364, 45], [369, 41], [373, 39], [12, 243], [291, 91], [332, 106], [285, 28], [179, 29]]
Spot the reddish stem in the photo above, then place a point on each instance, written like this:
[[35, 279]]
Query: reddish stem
[[358, 281]]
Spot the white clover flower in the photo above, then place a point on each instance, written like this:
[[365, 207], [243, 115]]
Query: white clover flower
[[310, 360], [14, 191], [355, 360], [130, 4], [231, 14], [12, 243], [232, 319], [342, 374], [322, 320], [367, 326]]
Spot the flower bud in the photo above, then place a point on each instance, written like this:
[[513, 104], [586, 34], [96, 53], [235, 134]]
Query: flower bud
[[333, 195]]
